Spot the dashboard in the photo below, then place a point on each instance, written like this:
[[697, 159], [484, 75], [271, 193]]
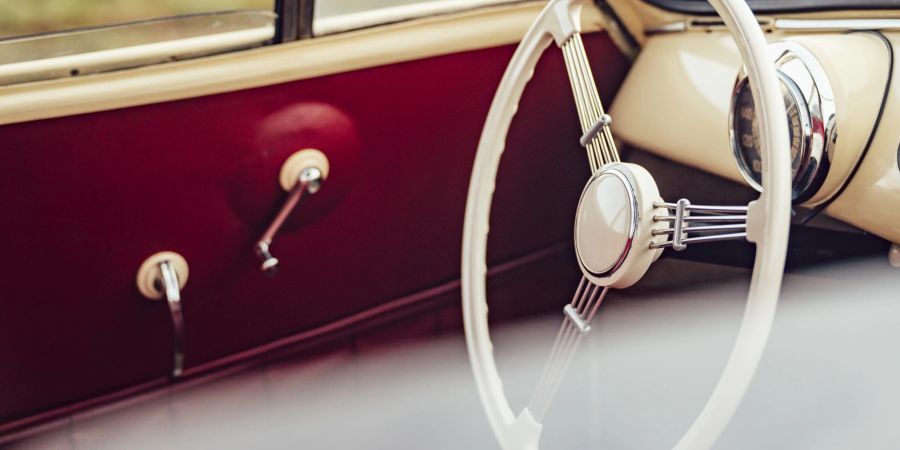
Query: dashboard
[[687, 99]]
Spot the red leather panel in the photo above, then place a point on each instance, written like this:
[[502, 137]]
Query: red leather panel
[[84, 199]]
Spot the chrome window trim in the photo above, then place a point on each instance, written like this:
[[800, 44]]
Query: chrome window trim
[[793, 25], [836, 24]]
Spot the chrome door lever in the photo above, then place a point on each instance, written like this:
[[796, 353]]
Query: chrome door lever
[[301, 175], [164, 275]]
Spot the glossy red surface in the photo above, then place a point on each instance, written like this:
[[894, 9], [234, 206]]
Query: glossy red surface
[[85, 199]]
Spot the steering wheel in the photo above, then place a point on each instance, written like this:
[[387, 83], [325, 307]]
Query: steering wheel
[[622, 225]]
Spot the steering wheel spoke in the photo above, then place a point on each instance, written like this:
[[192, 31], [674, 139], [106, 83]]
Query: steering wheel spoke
[[577, 317], [597, 138], [687, 223]]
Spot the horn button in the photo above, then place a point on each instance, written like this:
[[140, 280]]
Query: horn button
[[613, 225]]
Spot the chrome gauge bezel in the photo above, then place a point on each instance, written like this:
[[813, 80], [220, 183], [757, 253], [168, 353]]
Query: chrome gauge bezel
[[806, 81]]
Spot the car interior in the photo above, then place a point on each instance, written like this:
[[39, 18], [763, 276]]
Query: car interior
[[447, 224]]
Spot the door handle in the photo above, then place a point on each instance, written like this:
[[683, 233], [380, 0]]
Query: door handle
[[163, 275]]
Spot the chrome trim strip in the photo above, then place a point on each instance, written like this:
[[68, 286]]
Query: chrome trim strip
[[796, 25], [836, 24]]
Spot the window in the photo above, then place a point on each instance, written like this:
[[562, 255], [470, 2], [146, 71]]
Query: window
[[47, 39], [18, 17], [336, 16], [65, 38]]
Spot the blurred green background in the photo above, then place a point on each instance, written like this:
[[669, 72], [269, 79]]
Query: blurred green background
[[34, 16]]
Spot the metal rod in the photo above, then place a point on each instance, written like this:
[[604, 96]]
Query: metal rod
[[577, 300], [608, 144], [702, 228], [172, 291], [576, 319], [577, 92], [701, 239], [308, 181], [597, 138], [703, 208], [678, 235], [591, 308], [604, 121], [702, 219]]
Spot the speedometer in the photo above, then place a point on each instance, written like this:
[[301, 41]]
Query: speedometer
[[745, 130], [809, 105]]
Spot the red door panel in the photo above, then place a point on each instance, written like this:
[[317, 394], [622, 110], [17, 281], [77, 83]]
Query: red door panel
[[84, 199]]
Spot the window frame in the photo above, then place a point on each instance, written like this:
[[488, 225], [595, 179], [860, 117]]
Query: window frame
[[294, 20]]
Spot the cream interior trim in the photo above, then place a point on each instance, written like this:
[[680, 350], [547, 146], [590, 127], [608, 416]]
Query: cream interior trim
[[872, 199], [856, 65], [674, 101], [795, 22], [629, 18], [640, 17], [676, 98], [406, 41]]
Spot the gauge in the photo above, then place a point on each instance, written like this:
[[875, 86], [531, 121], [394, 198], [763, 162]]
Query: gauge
[[745, 130], [809, 107]]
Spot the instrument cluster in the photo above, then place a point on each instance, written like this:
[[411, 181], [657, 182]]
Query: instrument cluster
[[809, 103]]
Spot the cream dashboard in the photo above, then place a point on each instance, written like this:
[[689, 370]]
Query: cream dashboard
[[686, 99]]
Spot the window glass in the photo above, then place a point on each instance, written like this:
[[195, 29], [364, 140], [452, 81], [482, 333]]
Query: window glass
[[18, 17], [331, 8], [84, 51], [48, 39], [334, 16], [326, 8]]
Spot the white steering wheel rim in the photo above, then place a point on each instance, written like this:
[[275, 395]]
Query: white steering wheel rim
[[768, 225]]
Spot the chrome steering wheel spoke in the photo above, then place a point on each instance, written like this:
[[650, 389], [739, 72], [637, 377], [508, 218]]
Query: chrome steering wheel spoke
[[577, 317], [695, 224]]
